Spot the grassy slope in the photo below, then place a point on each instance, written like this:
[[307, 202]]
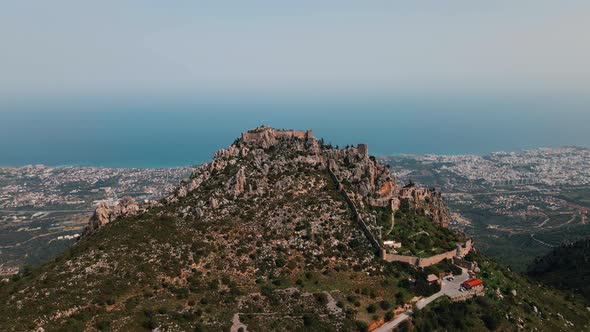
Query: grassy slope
[[566, 267], [158, 270]]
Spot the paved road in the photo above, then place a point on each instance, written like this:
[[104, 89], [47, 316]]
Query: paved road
[[389, 326], [449, 288], [541, 242]]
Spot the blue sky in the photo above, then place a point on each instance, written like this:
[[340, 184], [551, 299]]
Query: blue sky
[[215, 49]]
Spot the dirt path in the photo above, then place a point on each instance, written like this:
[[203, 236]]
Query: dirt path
[[236, 324], [541, 242], [544, 221]]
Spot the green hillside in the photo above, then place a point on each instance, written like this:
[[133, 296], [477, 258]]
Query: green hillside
[[566, 267]]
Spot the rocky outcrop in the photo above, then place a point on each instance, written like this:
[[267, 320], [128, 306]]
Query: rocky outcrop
[[127, 206], [103, 214], [100, 217], [422, 200], [363, 174], [239, 182]]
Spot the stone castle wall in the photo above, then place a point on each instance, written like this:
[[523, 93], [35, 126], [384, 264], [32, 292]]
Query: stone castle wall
[[424, 262], [410, 195], [464, 250], [412, 260], [428, 261], [464, 263], [265, 133], [357, 217]]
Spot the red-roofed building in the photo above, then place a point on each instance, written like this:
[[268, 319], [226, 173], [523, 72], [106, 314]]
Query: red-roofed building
[[472, 283], [432, 279]]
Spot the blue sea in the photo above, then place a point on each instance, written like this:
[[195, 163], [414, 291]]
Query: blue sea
[[178, 134]]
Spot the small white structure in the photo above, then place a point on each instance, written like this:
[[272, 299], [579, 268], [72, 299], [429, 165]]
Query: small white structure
[[392, 244]]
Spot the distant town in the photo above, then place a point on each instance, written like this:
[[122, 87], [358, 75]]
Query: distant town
[[548, 166], [529, 201], [43, 209]]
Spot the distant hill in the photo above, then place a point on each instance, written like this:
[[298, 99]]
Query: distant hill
[[262, 238], [565, 267]]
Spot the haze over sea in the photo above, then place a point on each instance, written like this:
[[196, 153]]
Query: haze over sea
[[176, 134]]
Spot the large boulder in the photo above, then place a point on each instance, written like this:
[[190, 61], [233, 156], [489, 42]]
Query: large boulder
[[127, 206], [103, 214]]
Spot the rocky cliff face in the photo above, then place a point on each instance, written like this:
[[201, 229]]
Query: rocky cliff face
[[371, 181]]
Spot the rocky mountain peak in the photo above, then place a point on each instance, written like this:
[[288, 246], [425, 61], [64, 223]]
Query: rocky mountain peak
[[265, 153]]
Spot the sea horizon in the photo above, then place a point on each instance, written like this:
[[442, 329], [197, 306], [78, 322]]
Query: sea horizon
[[159, 136]]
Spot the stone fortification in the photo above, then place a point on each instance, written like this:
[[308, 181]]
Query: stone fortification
[[357, 217], [266, 136], [461, 251], [432, 260]]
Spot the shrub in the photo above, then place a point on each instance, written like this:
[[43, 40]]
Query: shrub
[[388, 316], [149, 323], [351, 298], [371, 308], [384, 305], [321, 298], [491, 320], [361, 326], [309, 319], [103, 325]]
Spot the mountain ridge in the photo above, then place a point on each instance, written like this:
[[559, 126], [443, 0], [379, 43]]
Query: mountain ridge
[[259, 237]]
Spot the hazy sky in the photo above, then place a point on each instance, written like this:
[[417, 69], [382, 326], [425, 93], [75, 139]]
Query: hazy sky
[[122, 48]]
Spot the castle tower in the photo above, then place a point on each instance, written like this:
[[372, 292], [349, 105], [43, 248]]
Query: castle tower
[[363, 150]]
